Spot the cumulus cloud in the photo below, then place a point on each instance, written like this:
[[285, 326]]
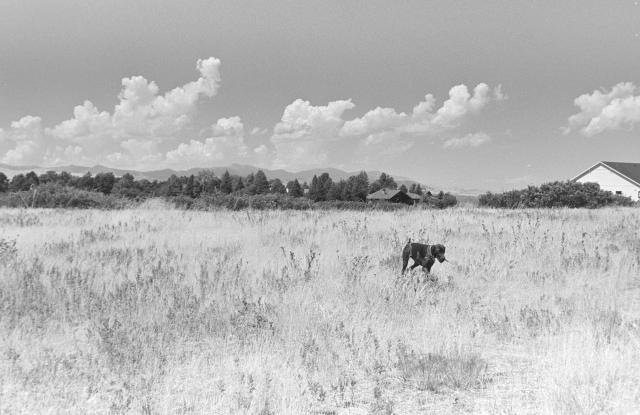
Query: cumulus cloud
[[307, 134], [376, 120], [24, 141], [424, 119], [147, 129], [600, 111], [300, 138], [469, 140], [226, 144], [141, 112], [130, 135]]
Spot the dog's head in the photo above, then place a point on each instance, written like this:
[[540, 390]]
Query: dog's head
[[437, 251]]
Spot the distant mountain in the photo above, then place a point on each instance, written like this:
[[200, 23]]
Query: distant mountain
[[234, 169]]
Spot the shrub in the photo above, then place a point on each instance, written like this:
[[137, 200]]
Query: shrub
[[555, 194], [238, 202], [353, 205], [441, 201], [53, 195]]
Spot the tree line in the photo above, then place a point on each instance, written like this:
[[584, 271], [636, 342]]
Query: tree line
[[322, 187]]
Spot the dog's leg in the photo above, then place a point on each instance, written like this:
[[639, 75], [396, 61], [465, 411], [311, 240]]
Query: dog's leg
[[428, 264], [405, 257]]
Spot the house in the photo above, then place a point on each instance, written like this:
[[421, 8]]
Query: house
[[394, 196], [619, 178]]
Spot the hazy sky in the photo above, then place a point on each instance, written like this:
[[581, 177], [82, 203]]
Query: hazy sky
[[483, 94]]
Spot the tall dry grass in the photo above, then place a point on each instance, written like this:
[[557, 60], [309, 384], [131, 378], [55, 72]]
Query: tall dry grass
[[278, 312]]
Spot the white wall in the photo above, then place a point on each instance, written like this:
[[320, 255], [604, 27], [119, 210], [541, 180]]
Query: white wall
[[608, 180]]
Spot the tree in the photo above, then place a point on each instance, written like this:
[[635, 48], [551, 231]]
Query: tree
[[261, 183], [208, 180], [172, 187], [190, 186], [314, 189], [19, 183], [361, 188], [197, 188], [238, 184], [49, 177], [324, 184], [356, 188], [4, 183], [126, 186], [336, 192], [403, 189], [86, 182], [294, 188], [227, 185], [415, 188], [32, 179], [384, 182], [250, 179], [146, 187], [65, 178], [104, 182], [277, 186]]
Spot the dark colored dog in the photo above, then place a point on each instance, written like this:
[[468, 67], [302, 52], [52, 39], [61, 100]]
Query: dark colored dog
[[422, 254]]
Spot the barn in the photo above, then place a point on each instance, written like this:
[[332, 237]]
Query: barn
[[618, 178], [394, 196]]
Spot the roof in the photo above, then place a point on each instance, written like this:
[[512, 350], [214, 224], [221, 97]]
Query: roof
[[383, 194], [386, 194], [628, 171]]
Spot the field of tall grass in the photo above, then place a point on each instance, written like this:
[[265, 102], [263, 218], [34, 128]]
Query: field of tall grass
[[162, 311]]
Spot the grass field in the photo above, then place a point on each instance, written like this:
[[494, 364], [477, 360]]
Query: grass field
[[159, 311]]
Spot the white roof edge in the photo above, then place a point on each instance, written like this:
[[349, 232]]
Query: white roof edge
[[621, 174], [608, 167], [587, 171]]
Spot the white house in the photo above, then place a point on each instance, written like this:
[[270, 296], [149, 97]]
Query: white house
[[619, 178]]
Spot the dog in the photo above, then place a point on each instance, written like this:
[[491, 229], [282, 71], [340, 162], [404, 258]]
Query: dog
[[422, 254]]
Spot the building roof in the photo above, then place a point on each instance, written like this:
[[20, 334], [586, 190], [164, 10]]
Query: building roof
[[383, 194], [628, 171], [386, 194]]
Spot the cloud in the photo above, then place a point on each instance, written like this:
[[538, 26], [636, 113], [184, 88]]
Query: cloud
[[600, 111], [141, 112], [469, 140], [376, 120], [261, 150], [130, 135], [147, 129], [423, 119], [310, 135], [302, 135], [226, 144], [24, 141]]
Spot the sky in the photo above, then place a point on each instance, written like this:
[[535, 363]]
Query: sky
[[488, 95]]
